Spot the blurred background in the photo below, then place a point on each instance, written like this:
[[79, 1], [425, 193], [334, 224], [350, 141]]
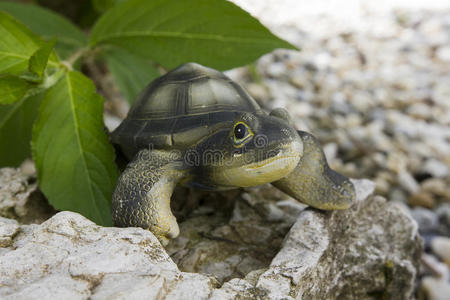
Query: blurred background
[[372, 82]]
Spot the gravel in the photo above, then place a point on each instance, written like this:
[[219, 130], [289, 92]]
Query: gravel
[[372, 82]]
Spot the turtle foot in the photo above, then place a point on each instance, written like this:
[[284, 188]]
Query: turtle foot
[[314, 183]]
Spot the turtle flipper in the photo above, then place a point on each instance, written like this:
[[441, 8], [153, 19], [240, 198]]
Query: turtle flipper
[[314, 183], [142, 194]]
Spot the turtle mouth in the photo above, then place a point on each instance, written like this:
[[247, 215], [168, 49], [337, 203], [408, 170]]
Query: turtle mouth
[[279, 163]]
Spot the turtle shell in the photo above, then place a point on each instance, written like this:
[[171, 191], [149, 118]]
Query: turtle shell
[[181, 107]]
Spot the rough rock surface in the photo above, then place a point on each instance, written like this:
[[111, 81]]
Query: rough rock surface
[[365, 252], [20, 199]]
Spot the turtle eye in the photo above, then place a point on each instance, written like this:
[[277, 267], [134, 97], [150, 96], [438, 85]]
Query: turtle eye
[[241, 133]]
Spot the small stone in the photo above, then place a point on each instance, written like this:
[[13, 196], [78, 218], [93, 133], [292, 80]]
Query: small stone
[[407, 181], [381, 186], [330, 151], [443, 213], [111, 121], [302, 109], [14, 192], [426, 219], [441, 247], [276, 69], [8, 229], [363, 188], [299, 81], [322, 60], [258, 91], [419, 110], [291, 206], [422, 199], [397, 163], [271, 212], [20, 198], [436, 186], [434, 288], [435, 167], [443, 53], [397, 195], [27, 168], [433, 266], [380, 159]]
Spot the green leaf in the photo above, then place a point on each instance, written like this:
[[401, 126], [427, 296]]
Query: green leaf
[[74, 160], [131, 73], [16, 121], [12, 89], [38, 61], [17, 44], [48, 24], [103, 5], [216, 33]]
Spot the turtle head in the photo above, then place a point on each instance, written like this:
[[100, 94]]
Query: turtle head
[[259, 148]]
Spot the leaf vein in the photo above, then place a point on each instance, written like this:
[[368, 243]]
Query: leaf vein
[[188, 36], [83, 158]]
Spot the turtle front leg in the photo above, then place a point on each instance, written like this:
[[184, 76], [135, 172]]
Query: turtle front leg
[[142, 194], [314, 183]]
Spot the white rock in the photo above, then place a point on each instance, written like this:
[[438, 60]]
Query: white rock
[[70, 257], [14, 192], [364, 188], [8, 230], [19, 195]]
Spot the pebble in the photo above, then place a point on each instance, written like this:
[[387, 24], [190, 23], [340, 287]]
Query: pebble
[[28, 168], [433, 266], [423, 199], [426, 219], [434, 288], [437, 186], [276, 69], [419, 110], [435, 168], [407, 181], [397, 195], [258, 91], [381, 186], [443, 53], [293, 207], [441, 247], [111, 121], [330, 151], [443, 213], [435, 284]]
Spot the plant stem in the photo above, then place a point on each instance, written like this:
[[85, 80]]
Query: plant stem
[[75, 56], [51, 80]]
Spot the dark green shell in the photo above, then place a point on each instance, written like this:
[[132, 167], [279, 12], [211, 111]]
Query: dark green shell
[[181, 107]]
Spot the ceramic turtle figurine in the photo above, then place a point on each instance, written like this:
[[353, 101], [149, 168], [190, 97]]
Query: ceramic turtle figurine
[[196, 127]]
